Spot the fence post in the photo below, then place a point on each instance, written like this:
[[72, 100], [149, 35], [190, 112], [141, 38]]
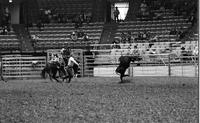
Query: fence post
[[169, 65], [1, 70]]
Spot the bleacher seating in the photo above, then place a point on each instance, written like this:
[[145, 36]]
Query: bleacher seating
[[9, 42], [161, 27], [68, 8], [56, 35]]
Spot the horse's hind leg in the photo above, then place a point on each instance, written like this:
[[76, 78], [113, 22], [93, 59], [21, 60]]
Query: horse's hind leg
[[69, 79], [55, 78], [121, 78]]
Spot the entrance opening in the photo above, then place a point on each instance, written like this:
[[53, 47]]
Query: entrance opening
[[123, 10]]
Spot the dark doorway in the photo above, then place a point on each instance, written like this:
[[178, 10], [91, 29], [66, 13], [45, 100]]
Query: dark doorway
[[108, 11], [22, 13]]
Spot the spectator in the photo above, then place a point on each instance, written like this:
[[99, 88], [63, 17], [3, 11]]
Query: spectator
[[184, 54], [74, 36], [115, 45], [39, 25], [34, 39], [173, 31], [78, 21], [129, 37], [4, 31], [123, 37], [80, 34], [154, 39], [116, 14], [135, 50], [151, 49], [85, 37], [88, 17], [144, 36], [158, 16], [195, 52], [143, 8], [192, 19]]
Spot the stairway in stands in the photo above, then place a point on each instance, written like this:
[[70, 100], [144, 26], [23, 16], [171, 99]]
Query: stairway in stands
[[23, 35], [108, 33]]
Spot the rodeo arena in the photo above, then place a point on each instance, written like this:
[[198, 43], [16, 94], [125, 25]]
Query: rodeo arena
[[99, 61]]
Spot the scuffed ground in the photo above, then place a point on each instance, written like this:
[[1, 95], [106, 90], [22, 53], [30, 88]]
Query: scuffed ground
[[100, 100]]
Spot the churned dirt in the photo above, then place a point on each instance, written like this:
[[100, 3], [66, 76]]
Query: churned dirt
[[100, 100]]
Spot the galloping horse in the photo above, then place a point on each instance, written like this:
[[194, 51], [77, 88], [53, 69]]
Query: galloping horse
[[124, 64], [69, 72], [51, 69]]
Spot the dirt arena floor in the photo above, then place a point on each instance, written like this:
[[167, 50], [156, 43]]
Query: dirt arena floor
[[100, 100]]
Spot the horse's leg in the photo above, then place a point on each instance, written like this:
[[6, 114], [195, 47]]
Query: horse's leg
[[54, 76], [50, 75], [64, 72], [69, 79], [121, 77], [122, 74], [43, 73], [70, 73]]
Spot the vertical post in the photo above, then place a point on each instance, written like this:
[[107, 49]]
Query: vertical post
[[1, 70], [169, 65]]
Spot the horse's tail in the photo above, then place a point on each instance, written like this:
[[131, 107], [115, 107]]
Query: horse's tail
[[43, 73]]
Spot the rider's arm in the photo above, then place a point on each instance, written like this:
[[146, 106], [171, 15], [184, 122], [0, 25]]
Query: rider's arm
[[73, 60]]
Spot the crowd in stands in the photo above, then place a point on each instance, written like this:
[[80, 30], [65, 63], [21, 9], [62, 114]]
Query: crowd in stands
[[51, 16], [146, 36], [34, 39], [129, 37], [83, 17], [75, 35], [186, 8]]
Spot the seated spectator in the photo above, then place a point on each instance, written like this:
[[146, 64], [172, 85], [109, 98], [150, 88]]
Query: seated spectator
[[80, 34], [74, 36], [154, 39], [151, 49], [4, 31], [135, 50], [182, 34], [34, 39], [129, 37], [123, 37], [195, 52], [158, 16], [144, 36], [88, 17], [133, 38], [85, 37], [143, 8], [192, 19], [173, 31], [184, 54], [78, 22], [115, 45], [139, 36], [39, 25]]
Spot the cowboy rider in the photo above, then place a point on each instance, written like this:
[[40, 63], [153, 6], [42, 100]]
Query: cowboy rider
[[70, 64]]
